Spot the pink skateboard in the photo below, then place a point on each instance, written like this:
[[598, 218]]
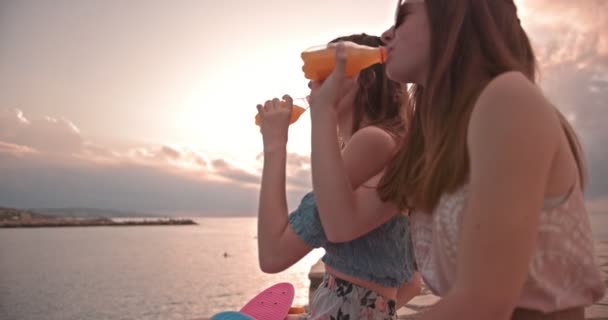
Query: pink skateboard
[[231, 315], [272, 303]]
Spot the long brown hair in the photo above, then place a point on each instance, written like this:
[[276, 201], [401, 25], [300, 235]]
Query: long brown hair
[[379, 99], [472, 42]]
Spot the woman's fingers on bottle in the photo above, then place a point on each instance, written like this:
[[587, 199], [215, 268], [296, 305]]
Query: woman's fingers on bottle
[[314, 85], [268, 105], [340, 67], [276, 104], [288, 100]]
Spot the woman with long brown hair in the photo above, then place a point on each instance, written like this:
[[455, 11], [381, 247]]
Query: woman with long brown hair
[[368, 254], [491, 170]]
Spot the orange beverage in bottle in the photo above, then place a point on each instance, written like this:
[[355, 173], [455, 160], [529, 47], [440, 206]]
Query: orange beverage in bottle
[[296, 112], [296, 310], [320, 61], [296, 313]]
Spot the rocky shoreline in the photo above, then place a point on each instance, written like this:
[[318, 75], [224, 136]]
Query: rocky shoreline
[[16, 218]]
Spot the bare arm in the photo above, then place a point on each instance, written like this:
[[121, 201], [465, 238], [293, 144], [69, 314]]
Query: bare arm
[[337, 178], [512, 139], [278, 245], [409, 290]]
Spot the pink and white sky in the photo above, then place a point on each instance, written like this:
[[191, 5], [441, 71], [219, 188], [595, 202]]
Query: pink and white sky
[[148, 106]]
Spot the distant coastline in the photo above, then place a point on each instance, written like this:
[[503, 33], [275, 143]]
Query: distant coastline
[[18, 218]]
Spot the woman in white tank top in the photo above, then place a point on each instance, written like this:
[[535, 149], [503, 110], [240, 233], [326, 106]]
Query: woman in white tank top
[[492, 173]]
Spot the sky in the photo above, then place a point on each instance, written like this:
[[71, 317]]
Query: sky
[[149, 106]]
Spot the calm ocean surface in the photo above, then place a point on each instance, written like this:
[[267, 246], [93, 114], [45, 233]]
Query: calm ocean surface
[[171, 272]]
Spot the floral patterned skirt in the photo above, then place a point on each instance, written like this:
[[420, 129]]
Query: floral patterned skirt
[[338, 299]]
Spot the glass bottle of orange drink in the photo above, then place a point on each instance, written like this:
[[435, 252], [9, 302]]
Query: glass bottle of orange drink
[[296, 112], [320, 61]]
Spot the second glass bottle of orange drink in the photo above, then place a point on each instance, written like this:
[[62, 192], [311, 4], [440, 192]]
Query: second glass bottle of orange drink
[[320, 61], [296, 112]]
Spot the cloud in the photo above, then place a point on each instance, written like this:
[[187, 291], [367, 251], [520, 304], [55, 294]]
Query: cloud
[[297, 160], [163, 155], [583, 97], [298, 171], [567, 31], [598, 206], [232, 172], [59, 137], [93, 151], [15, 149], [36, 182], [170, 152], [46, 134], [46, 162], [300, 179], [571, 43]]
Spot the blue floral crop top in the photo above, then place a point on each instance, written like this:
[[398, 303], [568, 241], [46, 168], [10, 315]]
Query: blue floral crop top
[[383, 256]]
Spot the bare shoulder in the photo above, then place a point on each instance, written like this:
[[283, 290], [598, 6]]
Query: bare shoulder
[[511, 102], [512, 93], [367, 153], [375, 137]]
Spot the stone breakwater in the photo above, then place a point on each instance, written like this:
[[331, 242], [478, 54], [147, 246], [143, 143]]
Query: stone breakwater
[[16, 218]]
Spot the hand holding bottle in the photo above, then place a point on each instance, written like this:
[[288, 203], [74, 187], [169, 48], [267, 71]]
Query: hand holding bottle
[[275, 117], [327, 94], [296, 112]]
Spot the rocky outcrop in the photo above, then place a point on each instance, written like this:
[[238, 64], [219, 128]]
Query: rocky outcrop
[[17, 218]]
